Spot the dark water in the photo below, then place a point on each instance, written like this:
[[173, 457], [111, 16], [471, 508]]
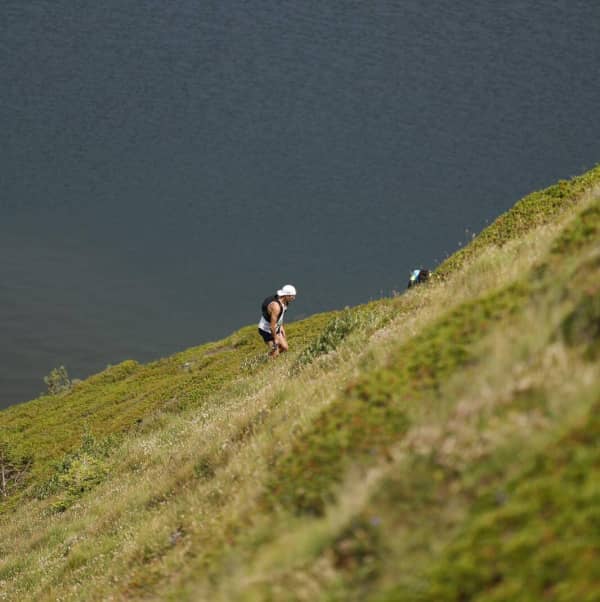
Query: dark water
[[166, 165]]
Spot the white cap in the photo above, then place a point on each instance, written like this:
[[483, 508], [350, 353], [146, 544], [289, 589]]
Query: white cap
[[288, 289]]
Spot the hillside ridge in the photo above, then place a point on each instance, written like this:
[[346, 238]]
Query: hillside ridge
[[375, 462]]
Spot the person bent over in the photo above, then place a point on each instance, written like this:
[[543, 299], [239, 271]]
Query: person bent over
[[270, 326]]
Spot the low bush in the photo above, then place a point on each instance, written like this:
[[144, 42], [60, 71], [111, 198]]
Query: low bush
[[58, 381], [14, 469], [78, 472], [339, 327]]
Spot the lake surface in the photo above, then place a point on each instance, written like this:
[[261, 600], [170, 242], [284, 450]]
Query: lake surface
[[166, 165]]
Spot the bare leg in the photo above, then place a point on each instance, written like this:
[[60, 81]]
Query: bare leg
[[282, 343], [282, 346]]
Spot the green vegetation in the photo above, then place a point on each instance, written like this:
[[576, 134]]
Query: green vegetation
[[333, 333], [14, 471], [78, 472], [534, 210], [542, 541], [370, 415], [58, 381], [439, 445]]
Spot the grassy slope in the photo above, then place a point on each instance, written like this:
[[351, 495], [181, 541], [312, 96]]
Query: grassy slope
[[440, 445]]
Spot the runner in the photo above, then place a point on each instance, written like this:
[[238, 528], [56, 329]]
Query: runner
[[270, 326]]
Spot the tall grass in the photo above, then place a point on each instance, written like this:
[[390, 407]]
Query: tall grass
[[403, 450]]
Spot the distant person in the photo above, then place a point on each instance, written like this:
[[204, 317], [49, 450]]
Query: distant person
[[418, 277], [270, 326]]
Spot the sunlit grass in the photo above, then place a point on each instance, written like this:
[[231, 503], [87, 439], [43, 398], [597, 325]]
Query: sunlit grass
[[356, 467]]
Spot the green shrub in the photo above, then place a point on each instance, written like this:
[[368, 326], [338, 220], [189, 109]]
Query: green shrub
[[119, 372], [582, 325], [583, 230], [14, 469], [78, 472], [58, 381], [334, 332], [83, 474]]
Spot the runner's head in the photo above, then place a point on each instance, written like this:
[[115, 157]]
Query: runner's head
[[287, 293], [418, 276]]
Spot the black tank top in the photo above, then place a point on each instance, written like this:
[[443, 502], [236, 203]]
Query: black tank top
[[265, 307]]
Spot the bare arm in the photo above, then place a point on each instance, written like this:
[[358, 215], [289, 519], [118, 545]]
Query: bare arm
[[274, 310]]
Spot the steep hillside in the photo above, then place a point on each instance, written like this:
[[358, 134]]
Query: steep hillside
[[438, 445]]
